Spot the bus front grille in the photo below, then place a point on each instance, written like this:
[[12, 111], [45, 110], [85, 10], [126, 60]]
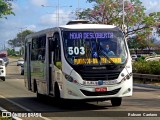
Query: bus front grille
[[99, 76], [88, 93]]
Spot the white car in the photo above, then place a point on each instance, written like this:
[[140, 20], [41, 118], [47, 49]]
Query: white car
[[6, 61], [2, 69], [20, 62]]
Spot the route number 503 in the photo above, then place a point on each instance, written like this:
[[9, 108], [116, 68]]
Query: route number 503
[[76, 50]]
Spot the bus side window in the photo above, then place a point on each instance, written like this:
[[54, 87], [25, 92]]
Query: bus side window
[[41, 48], [57, 51]]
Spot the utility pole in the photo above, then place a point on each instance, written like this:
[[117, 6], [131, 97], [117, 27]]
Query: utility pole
[[21, 40], [78, 10], [58, 13], [57, 9]]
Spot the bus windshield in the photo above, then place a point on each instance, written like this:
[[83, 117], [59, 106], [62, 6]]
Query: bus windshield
[[94, 47]]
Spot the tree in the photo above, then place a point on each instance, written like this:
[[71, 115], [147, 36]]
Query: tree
[[156, 15], [10, 51], [12, 43], [19, 40], [21, 37], [111, 12], [137, 42], [141, 41], [5, 8]]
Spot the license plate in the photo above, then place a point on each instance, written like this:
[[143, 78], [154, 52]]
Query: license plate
[[101, 89]]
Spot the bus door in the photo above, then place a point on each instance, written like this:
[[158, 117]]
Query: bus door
[[29, 65], [51, 65], [54, 55]]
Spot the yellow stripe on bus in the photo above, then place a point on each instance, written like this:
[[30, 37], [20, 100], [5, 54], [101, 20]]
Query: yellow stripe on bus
[[95, 60]]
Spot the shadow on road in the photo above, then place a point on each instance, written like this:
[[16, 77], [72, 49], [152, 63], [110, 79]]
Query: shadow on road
[[73, 105], [49, 108], [49, 105]]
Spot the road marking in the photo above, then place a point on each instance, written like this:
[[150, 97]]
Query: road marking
[[28, 110]]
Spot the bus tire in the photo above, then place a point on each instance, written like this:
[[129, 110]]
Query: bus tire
[[22, 73], [116, 101], [3, 78], [40, 96], [35, 86], [57, 92]]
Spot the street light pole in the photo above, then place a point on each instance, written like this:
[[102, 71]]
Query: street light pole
[[78, 10], [57, 9], [21, 38], [58, 13]]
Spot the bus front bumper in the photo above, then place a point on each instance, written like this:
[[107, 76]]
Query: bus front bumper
[[73, 91]]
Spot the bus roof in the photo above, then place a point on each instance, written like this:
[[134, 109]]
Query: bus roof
[[88, 26], [73, 26]]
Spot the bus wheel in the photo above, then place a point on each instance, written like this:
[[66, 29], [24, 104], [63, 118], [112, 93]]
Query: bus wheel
[[35, 86], [116, 101], [3, 78], [40, 96], [56, 92]]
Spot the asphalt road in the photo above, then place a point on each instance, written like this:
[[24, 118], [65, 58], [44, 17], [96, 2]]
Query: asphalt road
[[16, 98]]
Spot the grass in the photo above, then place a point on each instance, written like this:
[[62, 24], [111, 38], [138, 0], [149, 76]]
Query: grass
[[15, 57]]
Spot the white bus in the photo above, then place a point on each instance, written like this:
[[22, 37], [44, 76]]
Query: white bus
[[80, 62]]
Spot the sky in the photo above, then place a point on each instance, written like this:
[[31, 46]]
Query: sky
[[30, 14]]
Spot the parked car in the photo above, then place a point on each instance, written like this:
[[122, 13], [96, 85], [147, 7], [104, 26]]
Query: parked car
[[20, 62], [6, 61], [153, 53], [22, 69], [2, 69]]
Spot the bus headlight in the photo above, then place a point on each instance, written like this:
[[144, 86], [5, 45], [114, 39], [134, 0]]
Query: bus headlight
[[70, 79]]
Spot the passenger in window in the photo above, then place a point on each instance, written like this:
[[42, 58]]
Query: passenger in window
[[108, 51], [39, 57], [94, 51]]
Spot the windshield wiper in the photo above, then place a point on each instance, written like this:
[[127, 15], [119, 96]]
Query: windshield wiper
[[106, 56], [99, 51]]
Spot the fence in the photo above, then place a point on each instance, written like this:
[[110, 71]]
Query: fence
[[145, 77]]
